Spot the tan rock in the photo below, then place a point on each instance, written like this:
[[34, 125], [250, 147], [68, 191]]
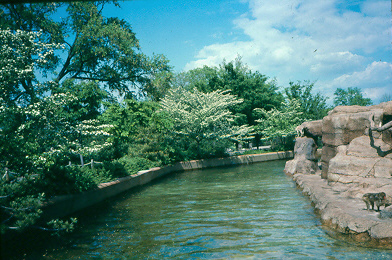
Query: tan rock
[[381, 230], [364, 146], [314, 127], [383, 168], [350, 165]]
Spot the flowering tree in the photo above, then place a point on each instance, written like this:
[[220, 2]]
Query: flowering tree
[[21, 54], [202, 122], [279, 124], [94, 47], [37, 130]]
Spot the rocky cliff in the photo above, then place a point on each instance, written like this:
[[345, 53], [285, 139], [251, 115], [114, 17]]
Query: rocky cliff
[[356, 158]]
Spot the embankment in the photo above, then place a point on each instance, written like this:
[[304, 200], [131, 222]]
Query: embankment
[[62, 206]]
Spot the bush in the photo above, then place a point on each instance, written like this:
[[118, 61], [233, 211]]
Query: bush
[[134, 164], [115, 168]]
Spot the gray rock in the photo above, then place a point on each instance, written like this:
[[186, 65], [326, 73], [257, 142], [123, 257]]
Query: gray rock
[[386, 213], [304, 157]]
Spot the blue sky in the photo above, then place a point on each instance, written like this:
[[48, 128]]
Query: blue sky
[[335, 43]]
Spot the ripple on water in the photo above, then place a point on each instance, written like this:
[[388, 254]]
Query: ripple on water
[[252, 211]]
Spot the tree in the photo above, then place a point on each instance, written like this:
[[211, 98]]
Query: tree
[[252, 87], [44, 123], [21, 55], [139, 133], [205, 79], [279, 125], [91, 97], [386, 97], [30, 157], [96, 48], [350, 97], [159, 85], [202, 122], [312, 106]]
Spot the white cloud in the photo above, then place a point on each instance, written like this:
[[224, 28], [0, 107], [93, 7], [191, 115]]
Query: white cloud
[[375, 80], [309, 40]]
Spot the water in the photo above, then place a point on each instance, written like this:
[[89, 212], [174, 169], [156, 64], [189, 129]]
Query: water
[[245, 212]]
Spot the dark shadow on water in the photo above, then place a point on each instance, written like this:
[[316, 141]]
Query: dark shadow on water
[[35, 243]]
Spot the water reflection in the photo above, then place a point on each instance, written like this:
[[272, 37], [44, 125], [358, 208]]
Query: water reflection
[[252, 211]]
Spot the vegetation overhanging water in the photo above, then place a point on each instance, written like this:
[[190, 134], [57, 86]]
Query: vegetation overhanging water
[[233, 212]]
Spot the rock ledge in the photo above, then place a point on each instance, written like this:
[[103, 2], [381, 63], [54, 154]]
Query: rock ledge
[[348, 216], [356, 158]]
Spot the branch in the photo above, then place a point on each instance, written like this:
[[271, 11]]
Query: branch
[[64, 71], [18, 96], [100, 79], [381, 128]]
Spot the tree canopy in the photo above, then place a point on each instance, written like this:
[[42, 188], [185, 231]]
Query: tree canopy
[[202, 121], [253, 88], [350, 97], [85, 46], [56, 77], [312, 106]]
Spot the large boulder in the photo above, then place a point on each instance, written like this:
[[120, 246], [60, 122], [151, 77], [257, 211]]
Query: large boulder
[[313, 128], [345, 123], [360, 159], [304, 157]]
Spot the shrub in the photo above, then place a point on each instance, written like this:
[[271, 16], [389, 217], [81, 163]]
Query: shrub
[[134, 164]]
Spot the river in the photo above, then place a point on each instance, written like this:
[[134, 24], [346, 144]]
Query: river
[[245, 212]]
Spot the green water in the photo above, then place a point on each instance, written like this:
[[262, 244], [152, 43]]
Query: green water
[[245, 212]]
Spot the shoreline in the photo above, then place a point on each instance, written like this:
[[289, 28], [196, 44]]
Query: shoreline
[[62, 206], [345, 217]]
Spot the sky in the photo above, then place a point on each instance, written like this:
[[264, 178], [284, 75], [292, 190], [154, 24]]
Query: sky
[[334, 43]]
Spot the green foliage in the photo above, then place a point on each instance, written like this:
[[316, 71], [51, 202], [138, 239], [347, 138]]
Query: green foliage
[[350, 97], [61, 226], [252, 87], [24, 211], [90, 97], [279, 125], [96, 48], [204, 79], [312, 106], [158, 86], [145, 131], [134, 164], [257, 151], [129, 117], [202, 122], [45, 125]]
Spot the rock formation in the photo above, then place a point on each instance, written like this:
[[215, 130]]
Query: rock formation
[[304, 157], [356, 159], [346, 123]]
